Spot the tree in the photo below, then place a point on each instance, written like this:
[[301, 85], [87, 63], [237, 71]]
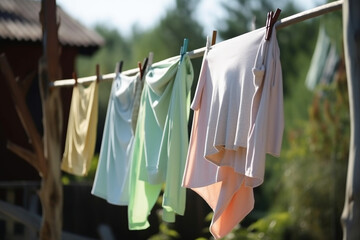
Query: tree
[[116, 48], [166, 38], [51, 193]]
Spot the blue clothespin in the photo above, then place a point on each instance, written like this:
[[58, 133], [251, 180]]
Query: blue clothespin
[[183, 49]]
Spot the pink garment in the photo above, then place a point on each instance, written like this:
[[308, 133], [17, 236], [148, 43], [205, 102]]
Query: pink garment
[[238, 118]]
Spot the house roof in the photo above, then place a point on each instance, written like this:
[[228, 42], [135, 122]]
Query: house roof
[[19, 21]]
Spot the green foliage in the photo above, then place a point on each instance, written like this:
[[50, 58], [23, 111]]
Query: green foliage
[[67, 178], [242, 14], [165, 233], [116, 48], [333, 25], [273, 226], [315, 172], [166, 38], [315, 153]]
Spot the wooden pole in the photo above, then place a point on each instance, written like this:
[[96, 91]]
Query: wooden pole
[[308, 14], [51, 192], [351, 27]]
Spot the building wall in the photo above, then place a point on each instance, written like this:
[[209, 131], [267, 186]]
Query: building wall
[[23, 59]]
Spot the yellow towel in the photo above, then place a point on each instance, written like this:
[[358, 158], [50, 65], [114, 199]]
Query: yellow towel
[[81, 131]]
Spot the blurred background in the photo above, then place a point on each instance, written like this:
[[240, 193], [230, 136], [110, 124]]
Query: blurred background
[[302, 196]]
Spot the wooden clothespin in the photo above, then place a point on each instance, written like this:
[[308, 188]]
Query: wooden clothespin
[[121, 63], [140, 70], [75, 78], [98, 73], [118, 68], [271, 19], [144, 65], [213, 39]]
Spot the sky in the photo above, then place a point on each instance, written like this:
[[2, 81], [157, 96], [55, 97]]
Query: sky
[[123, 14]]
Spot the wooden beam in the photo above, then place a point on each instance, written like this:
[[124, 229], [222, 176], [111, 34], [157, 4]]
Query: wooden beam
[[31, 220], [351, 30], [20, 214], [24, 114], [25, 154], [308, 14]]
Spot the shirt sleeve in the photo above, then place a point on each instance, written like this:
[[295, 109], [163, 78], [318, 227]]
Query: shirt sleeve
[[276, 108], [267, 123]]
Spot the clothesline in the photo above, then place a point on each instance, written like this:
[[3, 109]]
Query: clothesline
[[296, 18]]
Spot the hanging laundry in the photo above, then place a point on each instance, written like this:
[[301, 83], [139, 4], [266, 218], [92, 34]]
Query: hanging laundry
[[161, 142], [238, 118], [112, 174], [323, 62], [81, 131]]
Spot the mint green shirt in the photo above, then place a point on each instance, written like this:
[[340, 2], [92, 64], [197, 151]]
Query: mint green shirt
[[161, 143]]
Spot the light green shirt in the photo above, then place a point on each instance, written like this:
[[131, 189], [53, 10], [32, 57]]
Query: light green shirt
[[161, 143]]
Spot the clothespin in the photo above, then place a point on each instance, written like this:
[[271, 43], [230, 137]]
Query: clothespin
[[185, 45], [144, 65], [140, 70], [98, 73], [75, 78], [183, 49], [150, 59], [213, 39], [271, 19], [118, 68], [208, 43], [121, 63]]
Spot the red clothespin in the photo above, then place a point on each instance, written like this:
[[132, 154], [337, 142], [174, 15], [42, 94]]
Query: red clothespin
[[270, 21], [97, 73], [75, 78]]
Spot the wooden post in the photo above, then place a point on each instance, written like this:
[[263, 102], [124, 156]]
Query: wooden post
[[51, 192], [351, 27]]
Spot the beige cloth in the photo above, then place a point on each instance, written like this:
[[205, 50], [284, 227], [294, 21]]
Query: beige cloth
[[81, 131]]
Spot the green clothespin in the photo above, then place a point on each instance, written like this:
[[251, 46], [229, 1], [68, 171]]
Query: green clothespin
[[183, 49]]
